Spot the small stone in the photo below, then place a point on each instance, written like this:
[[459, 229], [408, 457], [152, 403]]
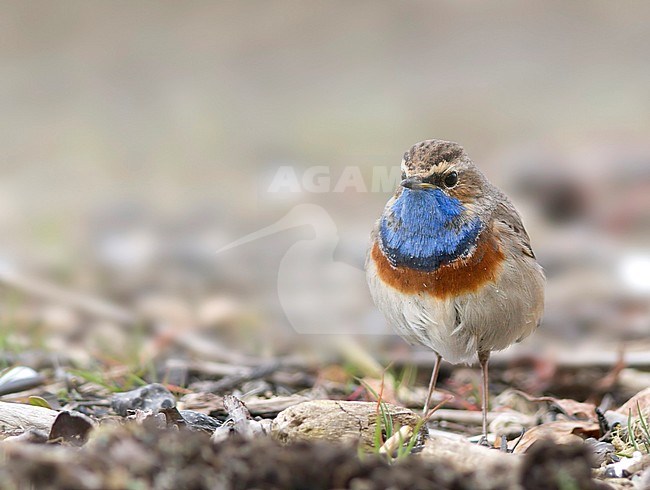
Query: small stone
[[152, 397], [338, 421]]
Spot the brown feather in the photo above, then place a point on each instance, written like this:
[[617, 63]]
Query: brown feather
[[462, 276]]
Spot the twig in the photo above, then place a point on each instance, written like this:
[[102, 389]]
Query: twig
[[565, 358], [229, 382], [207, 368], [18, 417], [437, 407], [13, 278], [460, 416]]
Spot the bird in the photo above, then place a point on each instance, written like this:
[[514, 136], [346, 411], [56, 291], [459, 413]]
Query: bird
[[450, 264]]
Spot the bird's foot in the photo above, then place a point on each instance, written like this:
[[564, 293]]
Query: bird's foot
[[483, 441]]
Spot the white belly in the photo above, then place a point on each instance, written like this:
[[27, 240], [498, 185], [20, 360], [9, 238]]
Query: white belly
[[493, 318]]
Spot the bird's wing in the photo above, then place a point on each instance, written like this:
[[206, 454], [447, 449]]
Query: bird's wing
[[506, 213]]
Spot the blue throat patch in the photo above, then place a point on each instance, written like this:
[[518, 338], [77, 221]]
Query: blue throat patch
[[424, 229]]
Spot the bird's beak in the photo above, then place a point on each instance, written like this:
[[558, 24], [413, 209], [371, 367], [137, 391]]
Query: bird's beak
[[415, 183]]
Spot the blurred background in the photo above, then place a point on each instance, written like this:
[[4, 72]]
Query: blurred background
[[140, 138]]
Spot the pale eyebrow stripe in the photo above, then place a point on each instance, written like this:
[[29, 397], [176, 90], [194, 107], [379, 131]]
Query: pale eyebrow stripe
[[441, 168]]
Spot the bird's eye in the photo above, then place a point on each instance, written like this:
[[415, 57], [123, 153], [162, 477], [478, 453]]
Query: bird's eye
[[451, 179]]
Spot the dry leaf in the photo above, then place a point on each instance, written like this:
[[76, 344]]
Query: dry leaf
[[560, 432], [71, 428], [640, 400], [572, 408]]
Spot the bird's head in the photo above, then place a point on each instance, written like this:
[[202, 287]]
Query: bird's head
[[442, 167], [439, 208]]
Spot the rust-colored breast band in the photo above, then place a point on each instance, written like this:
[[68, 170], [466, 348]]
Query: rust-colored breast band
[[459, 277]]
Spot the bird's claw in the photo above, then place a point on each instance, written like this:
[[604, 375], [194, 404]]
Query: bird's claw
[[483, 441]]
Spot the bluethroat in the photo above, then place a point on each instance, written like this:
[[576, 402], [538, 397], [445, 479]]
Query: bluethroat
[[450, 265]]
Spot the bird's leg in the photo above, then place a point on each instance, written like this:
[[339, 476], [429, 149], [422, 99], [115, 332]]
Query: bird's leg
[[432, 384], [483, 358]]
